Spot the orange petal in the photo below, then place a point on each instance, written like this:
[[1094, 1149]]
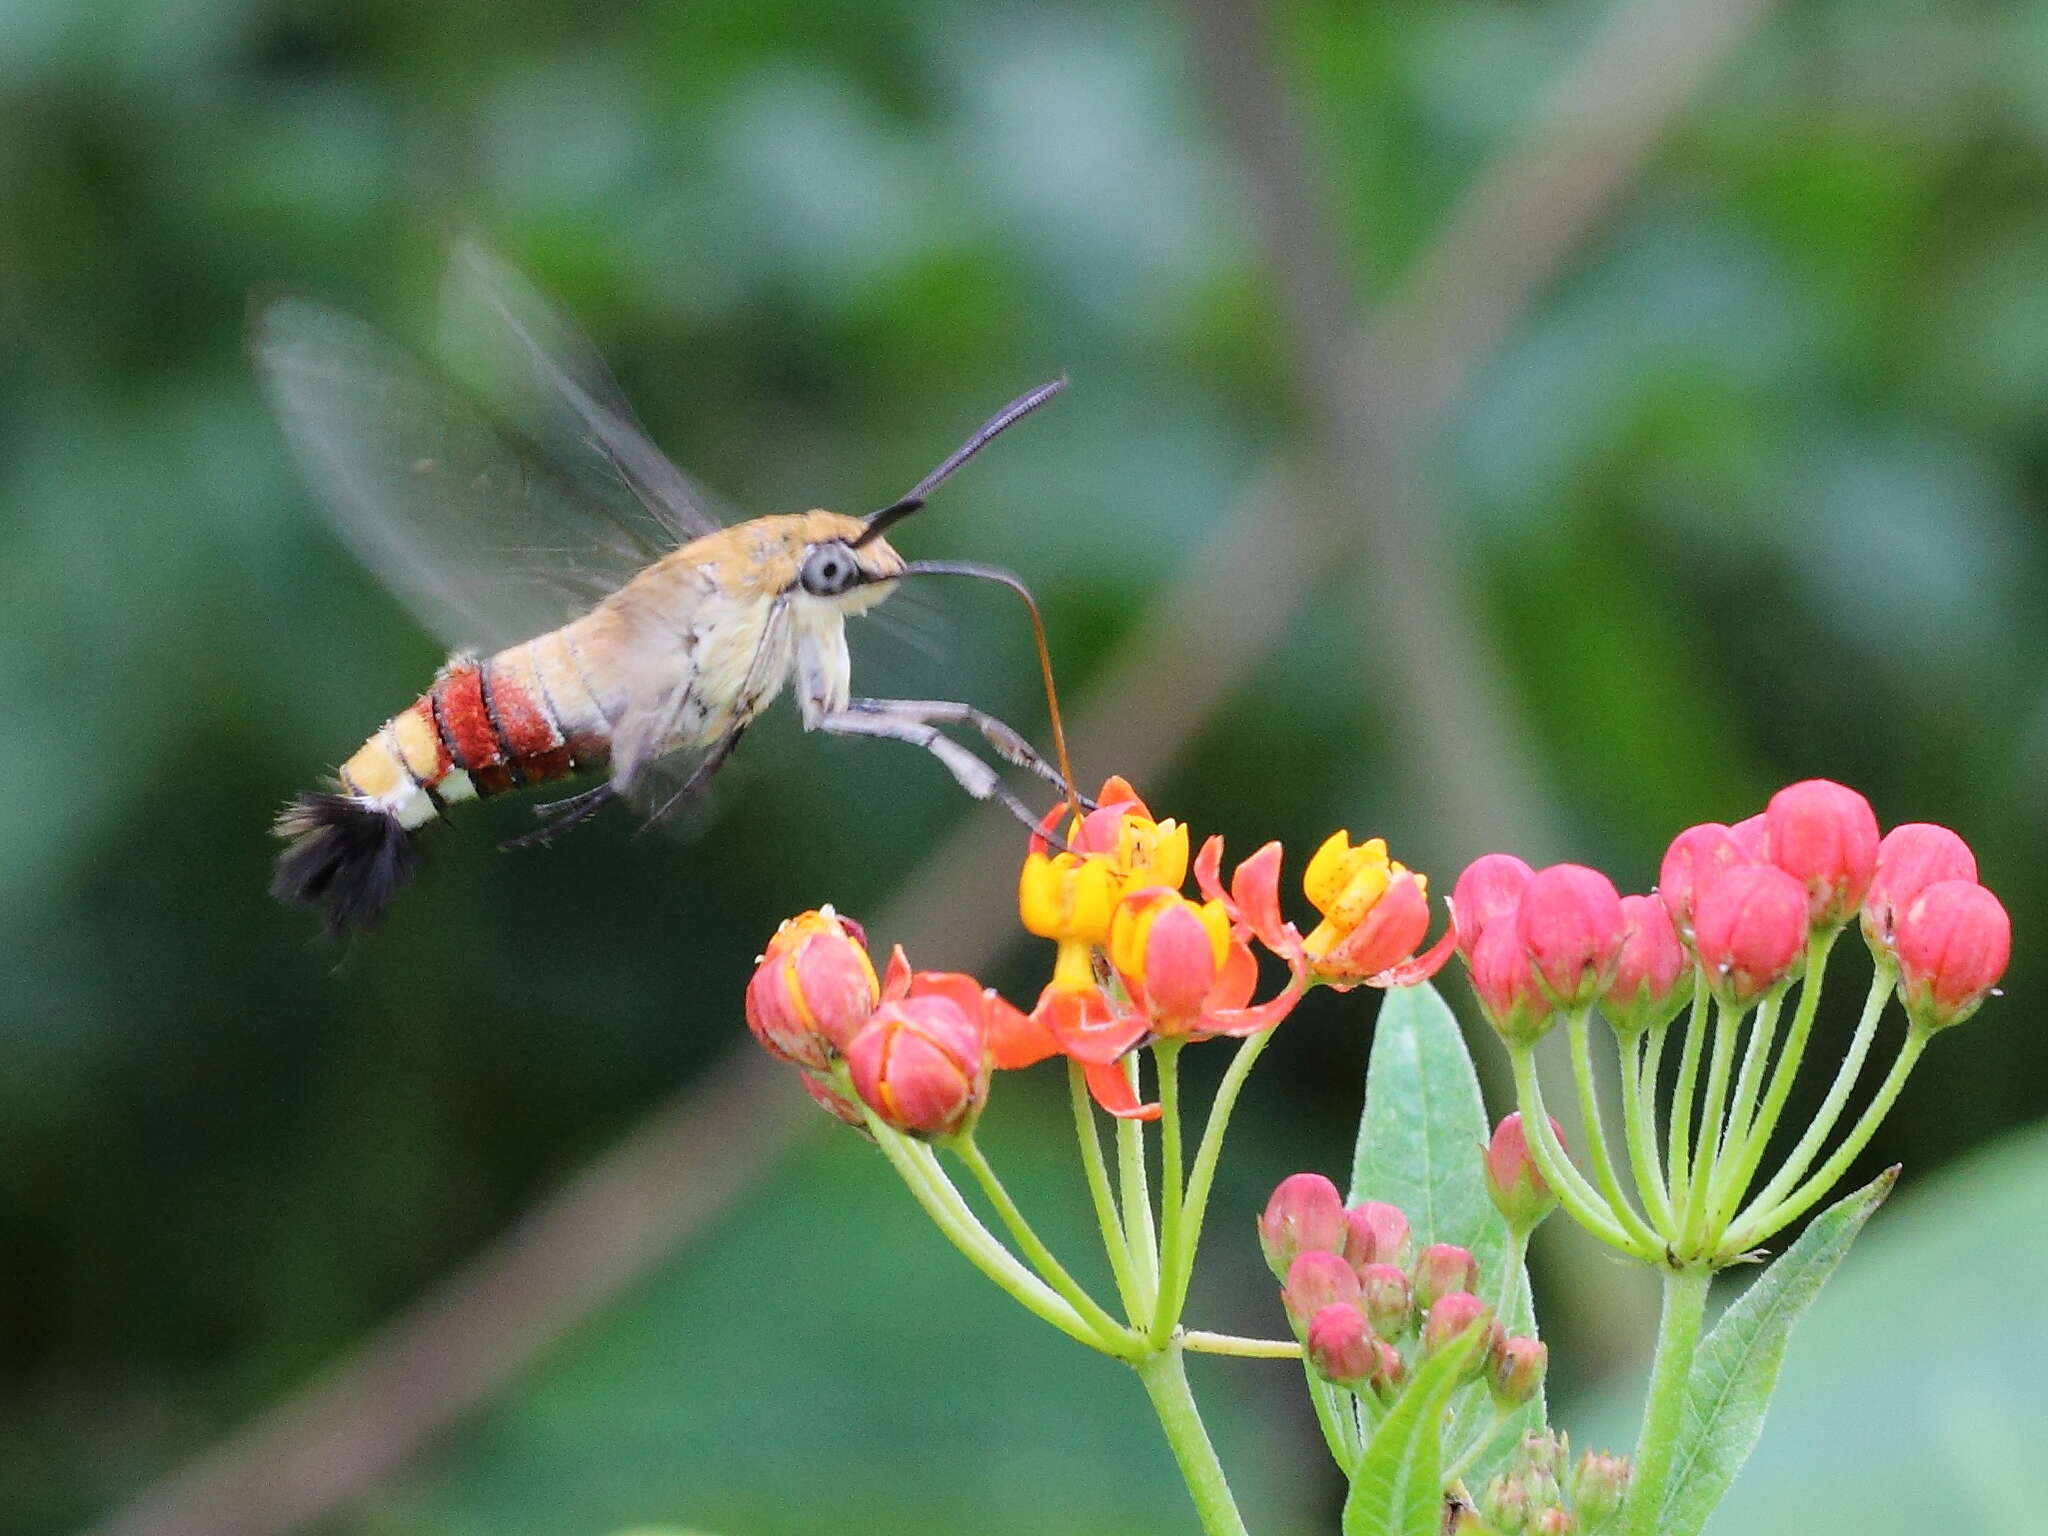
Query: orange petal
[[896, 976], [1113, 1091], [1255, 887]]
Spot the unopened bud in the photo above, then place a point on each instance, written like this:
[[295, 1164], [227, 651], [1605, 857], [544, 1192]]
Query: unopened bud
[[1316, 1280], [1387, 1299], [1695, 856], [1340, 1346], [1305, 1215], [1513, 1181], [1518, 1373], [1749, 928], [1442, 1269], [1375, 1233], [1752, 835], [1447, 1322], [1824, 835], [1654, 971], [1505, 1504], [1953, 941], [1570, 924], [1911, 858], [1554, 1521], [1599, 1484], [831, 1100], [1393, 1370], [1545, 1456], [1490, 888], [921, 1065], [1505, 983], [813, 989]]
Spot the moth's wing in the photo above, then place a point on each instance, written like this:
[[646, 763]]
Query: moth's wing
[[485, 540], [532, 363]]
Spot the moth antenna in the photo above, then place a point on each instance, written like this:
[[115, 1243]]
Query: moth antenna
[[911, 500]]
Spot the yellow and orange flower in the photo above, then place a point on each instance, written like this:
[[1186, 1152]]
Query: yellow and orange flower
[[1375, 913], [1071, 896]]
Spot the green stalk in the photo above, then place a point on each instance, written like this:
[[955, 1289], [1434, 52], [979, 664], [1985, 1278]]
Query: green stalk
[[1742, 1108], [1637, 1058], [1578, 1027], [1818, 947], [1166, 1382], [1678, 1338], [1166, 1313], [1197, 1341], [1180, 1264], [1580, 1200], [1706, 1143], [1140, 1239], [1678, 1152], [1096, 1169], [1034, 1249]]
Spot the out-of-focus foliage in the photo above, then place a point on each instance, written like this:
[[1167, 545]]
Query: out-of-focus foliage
[[1753, 492]]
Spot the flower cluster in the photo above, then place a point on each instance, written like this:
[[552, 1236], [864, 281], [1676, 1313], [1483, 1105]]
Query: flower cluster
[[1356, 1297], [1544, 1492], [1138, 961]]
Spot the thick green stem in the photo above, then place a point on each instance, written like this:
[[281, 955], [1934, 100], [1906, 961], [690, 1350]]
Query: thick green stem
[[1096, 1169], [1637, 1057], [1678, 1150], [1579, 1028], [1166, 1383], [1678, 1338], [1034, 1249], [1166, 1313], [1580, 1200], [1337, 1417]]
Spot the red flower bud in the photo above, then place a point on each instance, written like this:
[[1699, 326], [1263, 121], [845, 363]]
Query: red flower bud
[[1911, 858], [1393, 1370], [1449, 1319], [812, 990], [1505, 984], [1340, 1346], [1571, 925], [1518, 1372], [1316, 1280], [1512, 1178], [921, 1065], [831, 1100], [1490, 888], [1442, 1269], [1695, 856], [1749, 928], [1752, 836], [1375, 1233], [1305, 1215], [1824, 835], [1385, 1297], [1953, 941], [1651, 978]]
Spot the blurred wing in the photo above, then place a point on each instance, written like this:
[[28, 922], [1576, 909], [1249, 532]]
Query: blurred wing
[[532, 363], [485, 541]]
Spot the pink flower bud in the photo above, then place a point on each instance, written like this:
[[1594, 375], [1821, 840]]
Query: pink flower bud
[[1505, 985], [1824, 835], [1512, 1178], [1385, 1297], [1375, 1233], [831, 1100], [1442, 1269], [1340, 1346], [1651, 979], [1449, 1318], [1490, 888], [1393, 1370], [1694, 857], [1571, 925], [1911, 858], [921, 1065], [1316, 1280], [1554, 1521], [1599, 1484], [1505, 1504], [1749, 928], [1305, 1215], [1752, 837], [1953, 941], [1518, 1372], [813, 989]]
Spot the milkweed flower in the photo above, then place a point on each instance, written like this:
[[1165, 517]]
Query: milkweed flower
[[1571, 926], [1375, 914], [1749, 929], [1652, 972], [812, 988], [921, 1065], [1824, 835], [1071, 896], [1953, 942], [1304, 1214], [1490, 888], [1911, 857], [1513, 1181]]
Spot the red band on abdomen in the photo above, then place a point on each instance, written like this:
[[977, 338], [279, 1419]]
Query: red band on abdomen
[[525, 726], [466, 724]]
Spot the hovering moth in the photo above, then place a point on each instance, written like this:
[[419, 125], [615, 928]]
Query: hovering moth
[[611, 624]]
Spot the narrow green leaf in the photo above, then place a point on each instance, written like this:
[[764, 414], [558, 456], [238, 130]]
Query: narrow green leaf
[[1736, 1369], [1421, 1144], [1398, 1489]]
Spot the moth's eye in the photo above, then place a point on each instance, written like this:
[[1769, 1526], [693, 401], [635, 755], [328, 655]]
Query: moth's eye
[[829, 570]]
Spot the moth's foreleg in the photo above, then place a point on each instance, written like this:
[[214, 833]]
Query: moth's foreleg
[[561, 815], [1009, 743], [969, 772]]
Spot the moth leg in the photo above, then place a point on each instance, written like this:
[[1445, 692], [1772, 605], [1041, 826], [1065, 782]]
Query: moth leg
[[561, 815], [699, 777], [1009, 743], [969, 771]]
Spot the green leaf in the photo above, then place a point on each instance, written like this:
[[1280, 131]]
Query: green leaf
[[1737, 1366], [1398, 1489], [1421, 1142]]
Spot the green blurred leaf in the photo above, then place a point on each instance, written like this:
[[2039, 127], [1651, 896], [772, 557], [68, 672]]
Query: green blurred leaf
[[1737, 1367], [1398, 1489]]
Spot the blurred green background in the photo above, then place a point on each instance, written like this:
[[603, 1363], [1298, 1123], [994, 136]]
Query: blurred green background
[[1697, 446]]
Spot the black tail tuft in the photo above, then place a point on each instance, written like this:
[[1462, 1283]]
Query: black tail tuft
[[344, 854]]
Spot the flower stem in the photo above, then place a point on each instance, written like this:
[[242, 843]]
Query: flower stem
[[1337, 1417], [1180, 1263], [1578, 1027], [1579, 1198], [1034, 1249], [1486, 1437], [1166, 1312], [1096, 1169], [1165, 1376], [1678, 1149], [1707, 1136], [1758, 1134], [1638, 1057], [1202, 1343], [1141, 1241], [1678, 1338]]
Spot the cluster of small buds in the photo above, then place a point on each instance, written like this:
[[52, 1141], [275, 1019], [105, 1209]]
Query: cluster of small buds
[[1538, 1495], [1355, 1300]]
